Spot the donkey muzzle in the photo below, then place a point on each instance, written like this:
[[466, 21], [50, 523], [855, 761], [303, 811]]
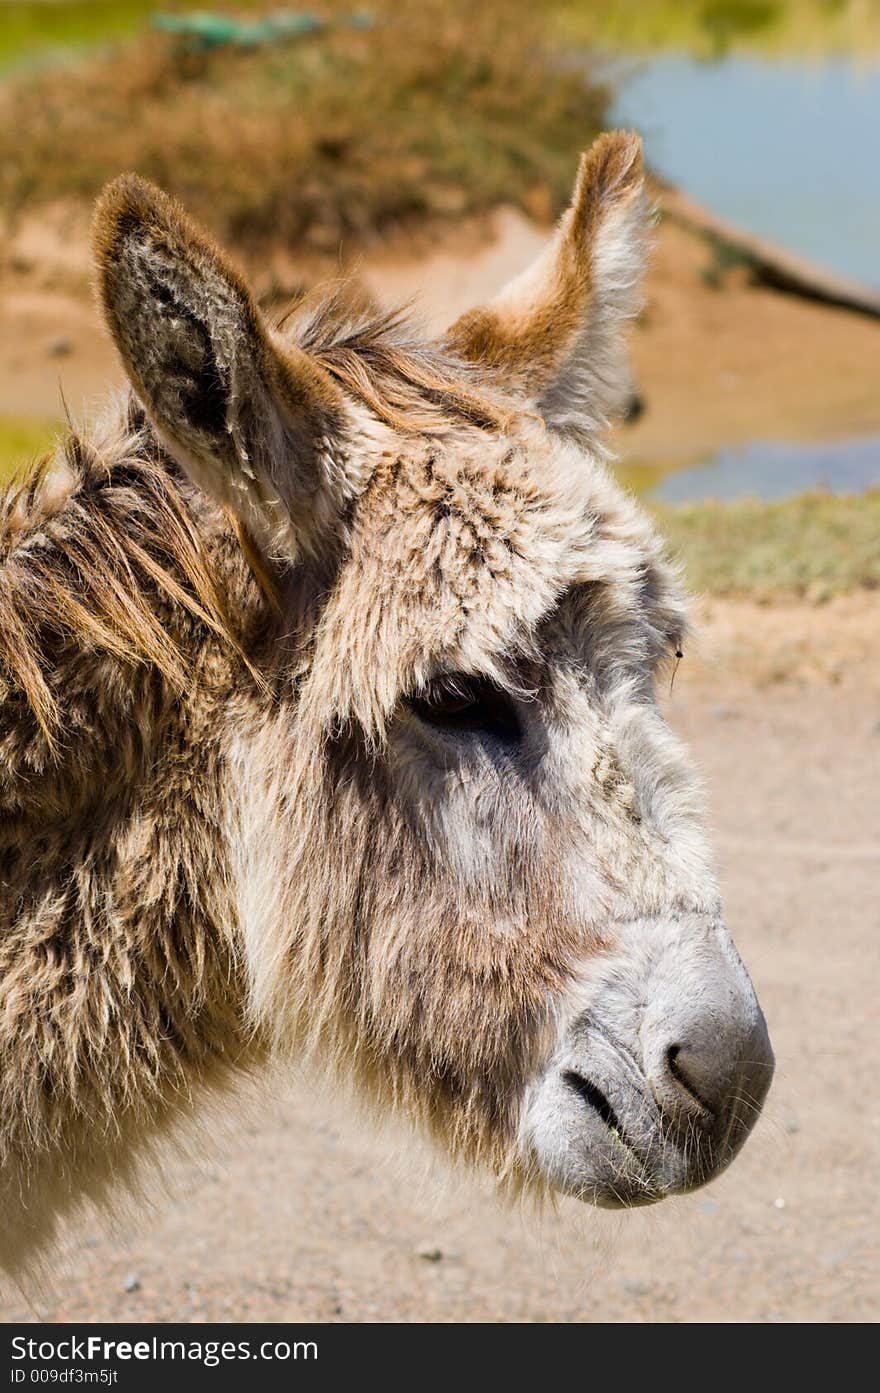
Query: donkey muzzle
[[660, 1071]]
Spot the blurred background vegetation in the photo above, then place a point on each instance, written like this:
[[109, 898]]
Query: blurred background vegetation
[[437, 107], [367, 122], [401, 109]]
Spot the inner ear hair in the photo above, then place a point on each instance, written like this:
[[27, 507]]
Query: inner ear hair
[[256, 423], [180, 314], [555, 329]]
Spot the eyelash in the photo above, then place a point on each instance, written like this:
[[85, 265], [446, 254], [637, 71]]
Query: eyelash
[[461, 704]]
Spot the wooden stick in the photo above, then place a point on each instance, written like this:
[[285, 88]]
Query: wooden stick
[[772, 264]]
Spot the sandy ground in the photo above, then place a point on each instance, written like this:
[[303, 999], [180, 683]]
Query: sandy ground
[[299, 1214]]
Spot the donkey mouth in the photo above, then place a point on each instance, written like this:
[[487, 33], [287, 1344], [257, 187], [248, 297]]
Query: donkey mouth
[[602, 1137], [633, 1184], [654, 1087], [595, 1099]]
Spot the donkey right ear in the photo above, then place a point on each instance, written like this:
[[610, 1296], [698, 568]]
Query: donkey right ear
[[257, 424], [555, 332]]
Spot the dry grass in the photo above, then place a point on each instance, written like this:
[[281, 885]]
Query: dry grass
[[815, 545], [439, 107]]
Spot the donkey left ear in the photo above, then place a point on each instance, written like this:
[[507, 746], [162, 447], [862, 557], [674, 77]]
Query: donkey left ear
[[257, 423], [554, 332]]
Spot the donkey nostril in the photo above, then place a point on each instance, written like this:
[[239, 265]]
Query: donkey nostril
[[691, 1076]]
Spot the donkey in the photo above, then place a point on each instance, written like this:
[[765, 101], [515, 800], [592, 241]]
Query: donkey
[[328, 731]]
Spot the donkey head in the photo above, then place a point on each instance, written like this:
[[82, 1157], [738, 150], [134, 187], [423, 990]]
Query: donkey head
[[470, 862]]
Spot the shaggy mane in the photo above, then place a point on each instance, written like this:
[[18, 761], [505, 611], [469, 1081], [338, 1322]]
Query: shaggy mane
[[87, 539], [383, 359]]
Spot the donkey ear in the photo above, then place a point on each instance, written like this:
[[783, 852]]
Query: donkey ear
[[257, 424], [555, 331]]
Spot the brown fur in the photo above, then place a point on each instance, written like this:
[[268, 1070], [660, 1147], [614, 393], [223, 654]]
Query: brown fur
[[122, 995], [411, 385], [88, 542]]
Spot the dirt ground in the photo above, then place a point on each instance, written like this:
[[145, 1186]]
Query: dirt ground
[[298, 1213]]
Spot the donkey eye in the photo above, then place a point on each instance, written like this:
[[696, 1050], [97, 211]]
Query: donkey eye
[[459, 703]]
